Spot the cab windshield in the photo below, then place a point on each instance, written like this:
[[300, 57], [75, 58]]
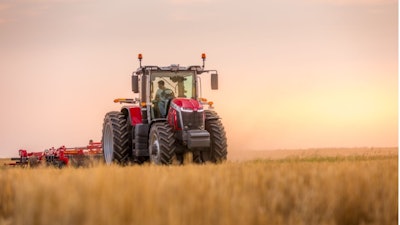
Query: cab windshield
[[167, 85], [180, 83]]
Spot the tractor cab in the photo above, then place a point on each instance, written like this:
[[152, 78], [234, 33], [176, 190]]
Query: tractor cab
[[158, 86], [167, 85]]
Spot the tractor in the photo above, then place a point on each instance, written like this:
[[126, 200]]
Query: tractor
[[169, 120]]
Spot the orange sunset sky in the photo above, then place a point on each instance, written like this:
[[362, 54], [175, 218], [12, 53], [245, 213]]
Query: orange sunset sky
[[293, 74]]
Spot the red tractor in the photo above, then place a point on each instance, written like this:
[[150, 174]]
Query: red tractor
[[170, 118]]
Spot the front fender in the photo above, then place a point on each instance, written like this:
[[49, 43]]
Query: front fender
[[211, 115]]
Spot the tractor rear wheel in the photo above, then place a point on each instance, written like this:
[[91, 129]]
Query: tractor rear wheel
[[218, 150], [161, 144], [115, 141]]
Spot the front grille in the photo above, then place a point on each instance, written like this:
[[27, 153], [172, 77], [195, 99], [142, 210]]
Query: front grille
[[193, 120]]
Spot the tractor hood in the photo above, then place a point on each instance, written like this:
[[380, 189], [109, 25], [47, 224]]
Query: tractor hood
[[186, 104]]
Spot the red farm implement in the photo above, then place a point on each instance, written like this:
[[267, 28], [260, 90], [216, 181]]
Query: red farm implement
[[60, 157]]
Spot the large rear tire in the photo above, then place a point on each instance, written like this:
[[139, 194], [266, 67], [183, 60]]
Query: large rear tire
[[218, 150], [161, 144], [116, 141]]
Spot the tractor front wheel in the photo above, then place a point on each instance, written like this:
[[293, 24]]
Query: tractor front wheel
[[115, 141], [161, 144], [218, 150]]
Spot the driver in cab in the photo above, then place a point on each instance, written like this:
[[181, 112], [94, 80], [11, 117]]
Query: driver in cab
[[163, 95]]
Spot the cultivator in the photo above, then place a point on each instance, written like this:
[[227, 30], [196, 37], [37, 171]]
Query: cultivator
[[60, 157]]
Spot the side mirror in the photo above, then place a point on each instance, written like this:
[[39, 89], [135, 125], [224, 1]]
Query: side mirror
[[135, 84], [214, 81]]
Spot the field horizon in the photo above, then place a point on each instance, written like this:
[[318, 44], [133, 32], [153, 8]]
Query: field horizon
[[244, 155], [235, 155]]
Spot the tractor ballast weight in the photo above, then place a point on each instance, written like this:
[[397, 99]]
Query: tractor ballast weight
[[168, 119]]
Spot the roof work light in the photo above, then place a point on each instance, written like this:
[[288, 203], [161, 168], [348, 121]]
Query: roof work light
[[140, 57], [203, 56]]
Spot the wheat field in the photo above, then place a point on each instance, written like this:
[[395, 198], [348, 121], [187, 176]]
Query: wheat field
[[358, 189]]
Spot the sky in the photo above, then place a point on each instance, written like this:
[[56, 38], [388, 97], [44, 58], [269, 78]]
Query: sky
[[293, 74]]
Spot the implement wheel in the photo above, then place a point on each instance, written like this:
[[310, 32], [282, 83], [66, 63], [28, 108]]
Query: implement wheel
[[115, 142]]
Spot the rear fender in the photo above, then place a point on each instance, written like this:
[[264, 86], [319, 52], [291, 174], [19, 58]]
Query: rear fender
[[133, 114]]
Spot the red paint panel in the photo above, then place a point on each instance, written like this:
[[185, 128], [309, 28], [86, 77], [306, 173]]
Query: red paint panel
[[173, 119], [188, 103], [136, 115]]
